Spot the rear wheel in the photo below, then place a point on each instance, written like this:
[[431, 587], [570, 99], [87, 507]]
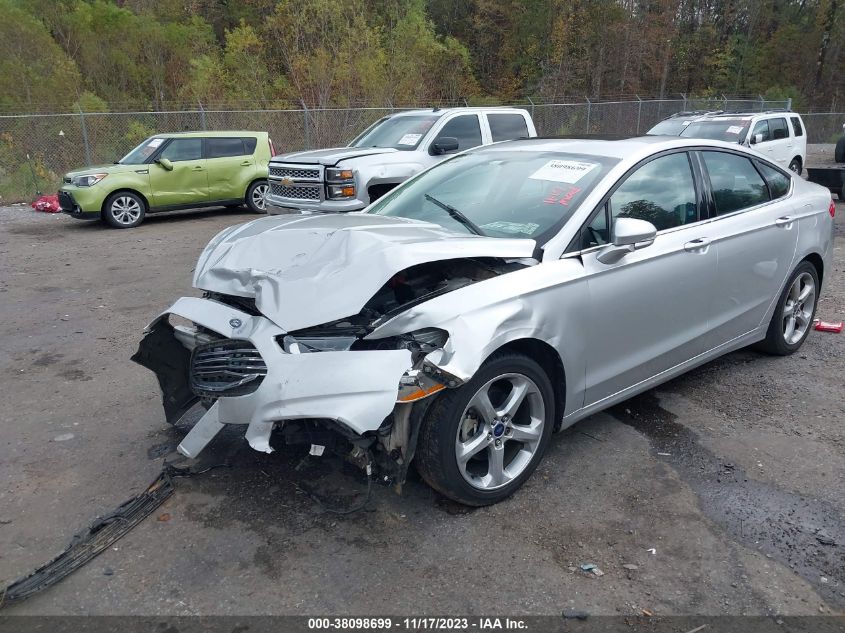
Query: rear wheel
[[124, 210], [256, 196], [480, 442], [793, 317], [795, 166]]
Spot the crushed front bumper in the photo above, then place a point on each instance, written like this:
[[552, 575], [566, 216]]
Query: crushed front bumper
[[357, 389]]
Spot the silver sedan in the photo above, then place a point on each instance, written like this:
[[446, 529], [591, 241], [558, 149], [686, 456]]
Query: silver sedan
[[500, 296]]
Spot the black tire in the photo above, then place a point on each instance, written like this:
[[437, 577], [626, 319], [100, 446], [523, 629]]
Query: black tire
[[436, 458], [253, 200], [839, 151], [795, 166], [124, 210], [775, 342]]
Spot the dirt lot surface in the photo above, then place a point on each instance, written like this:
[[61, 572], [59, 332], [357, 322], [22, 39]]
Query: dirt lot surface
[[719, 492]]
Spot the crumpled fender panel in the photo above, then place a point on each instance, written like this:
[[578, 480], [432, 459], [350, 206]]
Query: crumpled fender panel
[[320, 268], [357, 389], [539, 302]]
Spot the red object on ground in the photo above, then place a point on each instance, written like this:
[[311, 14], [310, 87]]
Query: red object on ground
[[48, 204], [827, 326]]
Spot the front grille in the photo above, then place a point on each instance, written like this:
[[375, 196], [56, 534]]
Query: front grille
[[306, 192], [293, 172], [228, 367], [66, 201]]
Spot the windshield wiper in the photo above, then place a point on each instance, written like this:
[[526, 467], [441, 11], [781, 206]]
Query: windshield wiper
[[457, 215]]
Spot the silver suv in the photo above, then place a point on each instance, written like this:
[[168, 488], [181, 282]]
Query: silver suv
[[390, 151]]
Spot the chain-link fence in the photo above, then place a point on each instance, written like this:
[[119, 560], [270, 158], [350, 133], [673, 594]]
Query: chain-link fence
[[35, 150]]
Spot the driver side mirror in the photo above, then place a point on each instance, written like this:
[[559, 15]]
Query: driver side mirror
[[629, 235], [444, 144], [165, 164], [756, 138]]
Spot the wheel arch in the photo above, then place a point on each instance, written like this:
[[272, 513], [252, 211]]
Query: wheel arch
[[551, 362], [125, 190], [818, 263], [253, 181]]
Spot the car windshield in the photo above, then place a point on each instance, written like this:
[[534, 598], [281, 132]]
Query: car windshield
[[670, 127], [499, 193], [730, 130], [142, 153], [399, 132]]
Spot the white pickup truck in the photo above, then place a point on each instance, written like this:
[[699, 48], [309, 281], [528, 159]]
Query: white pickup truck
[[390, 151]]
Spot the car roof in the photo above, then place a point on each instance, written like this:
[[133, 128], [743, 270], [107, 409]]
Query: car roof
[[741, 114], [622, 148], [212, 134], [438, 112]]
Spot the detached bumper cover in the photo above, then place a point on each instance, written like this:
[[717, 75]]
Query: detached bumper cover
[[355, 388]]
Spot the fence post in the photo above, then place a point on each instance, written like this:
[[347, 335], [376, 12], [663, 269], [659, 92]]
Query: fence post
[[789, 103], [639, 112], [725, 101], [202, 115], [307, 126], [684, 95], [589, 108], [85, 137], [531, 101], [762, 102]]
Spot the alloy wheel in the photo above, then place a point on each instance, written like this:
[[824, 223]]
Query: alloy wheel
[[798, 308], [500, 431], [126, 210], [259, 195]]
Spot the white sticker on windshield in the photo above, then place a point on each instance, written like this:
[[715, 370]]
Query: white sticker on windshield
[[734, 129], [563, 171], [155, 142], [685, 123], [513, 228], [409, 139]]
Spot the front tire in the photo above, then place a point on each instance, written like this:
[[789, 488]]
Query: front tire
[[124, 210], [794, 312], [256, 196], [480, 442]]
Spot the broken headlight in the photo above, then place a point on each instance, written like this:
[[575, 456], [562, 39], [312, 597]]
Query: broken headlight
[[419, 342]]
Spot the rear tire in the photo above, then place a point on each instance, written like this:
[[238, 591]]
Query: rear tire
[[839, 152], [501, 420], [124, 210], [256, 196], [794, 312], [795, 166]]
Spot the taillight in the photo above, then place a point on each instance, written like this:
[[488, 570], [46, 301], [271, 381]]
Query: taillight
[[272, 149], [832, 208]]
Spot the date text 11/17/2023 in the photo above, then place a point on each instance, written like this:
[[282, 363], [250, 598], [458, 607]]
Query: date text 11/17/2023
[[418, 624]]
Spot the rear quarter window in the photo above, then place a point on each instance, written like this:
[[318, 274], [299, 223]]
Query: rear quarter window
[[797, 127], [778, 181], [249, 144]]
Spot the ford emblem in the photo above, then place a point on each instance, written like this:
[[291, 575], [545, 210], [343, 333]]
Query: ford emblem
[[235, 323]]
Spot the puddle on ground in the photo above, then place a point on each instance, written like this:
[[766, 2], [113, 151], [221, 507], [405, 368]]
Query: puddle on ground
[[806, 534]]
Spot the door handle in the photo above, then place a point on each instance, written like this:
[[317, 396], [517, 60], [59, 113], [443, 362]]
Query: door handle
[[785, 221], [246, 163], [698, 244], [198, 168]]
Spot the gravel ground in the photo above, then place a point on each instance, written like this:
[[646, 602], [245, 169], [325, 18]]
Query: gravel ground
[[713, 489]]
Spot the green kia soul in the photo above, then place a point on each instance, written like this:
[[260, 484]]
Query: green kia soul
[[169, 172]]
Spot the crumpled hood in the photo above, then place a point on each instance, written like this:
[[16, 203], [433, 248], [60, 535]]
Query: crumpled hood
[[308, 270], [331, 156]]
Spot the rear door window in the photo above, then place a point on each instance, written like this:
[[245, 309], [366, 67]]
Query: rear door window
[[249, 144], [796, 126], [736, 184], [222, 147], [505, 127], [778, 129]]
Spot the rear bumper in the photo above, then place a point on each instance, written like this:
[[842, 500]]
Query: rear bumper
[[357, 389]]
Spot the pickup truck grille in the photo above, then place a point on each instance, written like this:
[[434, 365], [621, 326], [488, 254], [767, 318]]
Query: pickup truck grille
[[292, 172], [296, 193], [228, 367]]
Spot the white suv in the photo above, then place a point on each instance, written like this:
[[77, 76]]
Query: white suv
[[778, 133]]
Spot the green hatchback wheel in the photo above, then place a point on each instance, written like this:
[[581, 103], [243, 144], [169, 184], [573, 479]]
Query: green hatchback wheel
[[124, 210], [256, 196]]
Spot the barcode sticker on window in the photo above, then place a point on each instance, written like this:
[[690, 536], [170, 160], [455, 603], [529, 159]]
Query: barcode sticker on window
[[563, 171], [409, 139]]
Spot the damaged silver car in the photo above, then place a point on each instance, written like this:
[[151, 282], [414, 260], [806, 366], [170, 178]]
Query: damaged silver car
[[502, 295]]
